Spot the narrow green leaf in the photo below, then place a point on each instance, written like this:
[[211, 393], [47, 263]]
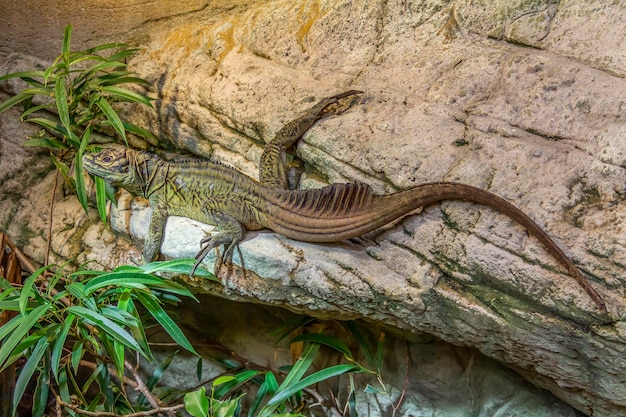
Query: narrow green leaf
[[59, 343], [13, 305], [123, 94], [324, 339], [174, 265], [53, 126], [125, 80], [60, 96], [44, 91], [101, 66], [48, 142], [61, 166], [177, 266], [27, 372], [126, 268], [64, 391], [372, 390], [78, 57], [77, 355], [223, 385], [26, 324], [123, 54], [125, 303], [153, 307], [258, 399], [302, 364], [312, 379], [12, 101], [29, 288], [380, 346], [22, 74], [101, 198], [199, 368], [81, 189], [110, 191], [112, 117], [121, 279], [197, 403], [120, 316], [12, 324], [34, 109], [223, 379], [109, 328], [139, 131], [160, 370], [67, 40], [272, 384], [360, 339], [50, 70], [40, 400]]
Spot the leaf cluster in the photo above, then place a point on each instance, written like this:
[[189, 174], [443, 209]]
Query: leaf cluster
[[95, 317], [288, 397], [75, 96]]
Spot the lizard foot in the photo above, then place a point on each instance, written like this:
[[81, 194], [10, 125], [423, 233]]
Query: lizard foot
[[209, 243]]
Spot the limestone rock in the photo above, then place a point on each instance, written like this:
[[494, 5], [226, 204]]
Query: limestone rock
[[453, 92]]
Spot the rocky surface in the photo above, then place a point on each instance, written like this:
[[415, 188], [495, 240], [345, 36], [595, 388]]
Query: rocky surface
[[523, 98]]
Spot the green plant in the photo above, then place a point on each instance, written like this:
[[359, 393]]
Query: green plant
[[75, 96], [288, 398], [93, 323]]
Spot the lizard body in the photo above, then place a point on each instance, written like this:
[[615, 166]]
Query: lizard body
[[216, 194]]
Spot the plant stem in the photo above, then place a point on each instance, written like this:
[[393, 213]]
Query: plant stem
[[50, 217], [169, 410]]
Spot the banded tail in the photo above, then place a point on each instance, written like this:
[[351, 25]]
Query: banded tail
[[344, 211]]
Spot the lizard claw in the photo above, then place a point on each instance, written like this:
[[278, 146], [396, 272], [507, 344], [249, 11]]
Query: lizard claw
[[206, 245]]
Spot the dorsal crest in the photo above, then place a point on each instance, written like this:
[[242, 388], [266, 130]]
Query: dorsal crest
[[334, 200]]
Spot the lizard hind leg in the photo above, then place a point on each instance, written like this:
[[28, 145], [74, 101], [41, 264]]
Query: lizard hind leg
[[230, 232]]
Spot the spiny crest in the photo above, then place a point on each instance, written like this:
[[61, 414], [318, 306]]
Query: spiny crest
[[334, 200]]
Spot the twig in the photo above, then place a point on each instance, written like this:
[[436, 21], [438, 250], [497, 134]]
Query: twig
[[169, 410], [26, 262], [329, 411], [396, 406], [141, 387]]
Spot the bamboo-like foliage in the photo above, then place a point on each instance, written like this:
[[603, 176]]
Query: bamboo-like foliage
[[94, 318], [75, 96]]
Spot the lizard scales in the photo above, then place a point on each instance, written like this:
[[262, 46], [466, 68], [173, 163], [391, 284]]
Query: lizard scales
[[216, 194]]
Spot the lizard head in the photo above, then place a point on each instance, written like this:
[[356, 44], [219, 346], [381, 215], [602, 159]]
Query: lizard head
[[121, 167]]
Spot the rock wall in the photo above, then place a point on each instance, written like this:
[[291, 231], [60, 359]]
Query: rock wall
[[523, 98]]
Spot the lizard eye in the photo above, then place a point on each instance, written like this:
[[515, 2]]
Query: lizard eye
[[106, 159]]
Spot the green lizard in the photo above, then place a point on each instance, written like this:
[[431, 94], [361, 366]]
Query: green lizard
[[219, 195]]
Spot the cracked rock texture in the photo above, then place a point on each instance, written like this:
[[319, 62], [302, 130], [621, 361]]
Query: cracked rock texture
[[524, 98]]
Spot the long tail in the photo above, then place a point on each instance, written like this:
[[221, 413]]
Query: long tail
[[344, 211]]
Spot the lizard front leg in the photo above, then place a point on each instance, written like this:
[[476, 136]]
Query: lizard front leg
[[155, 233], [272, 170], [229, 233]]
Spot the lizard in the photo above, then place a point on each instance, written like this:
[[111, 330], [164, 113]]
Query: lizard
[[235, 203]]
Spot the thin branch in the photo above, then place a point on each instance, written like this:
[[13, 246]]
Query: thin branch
[[169, 410], [396, 406], [141, 387], [329, 411], [26, 262]]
